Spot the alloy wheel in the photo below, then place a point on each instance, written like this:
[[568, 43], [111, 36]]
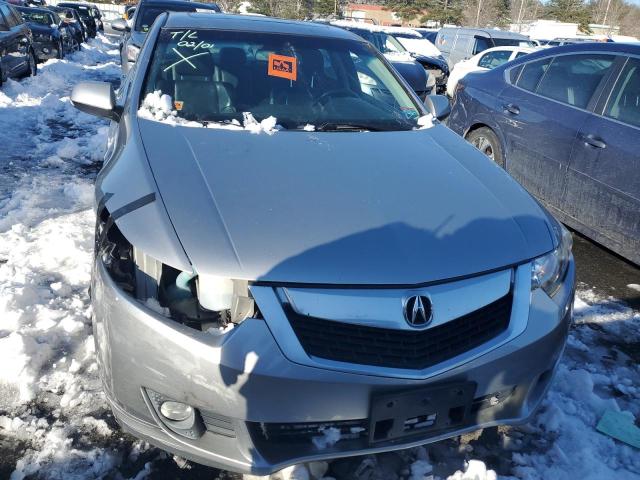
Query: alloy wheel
[[485, 146]]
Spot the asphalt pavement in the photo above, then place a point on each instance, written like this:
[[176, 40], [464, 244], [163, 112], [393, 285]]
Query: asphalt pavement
[[605, 272]]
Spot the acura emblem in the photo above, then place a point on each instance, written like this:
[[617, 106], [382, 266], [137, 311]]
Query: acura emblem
[[418, 311]]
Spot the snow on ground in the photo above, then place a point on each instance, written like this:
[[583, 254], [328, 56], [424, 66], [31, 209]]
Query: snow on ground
[[54, 422]]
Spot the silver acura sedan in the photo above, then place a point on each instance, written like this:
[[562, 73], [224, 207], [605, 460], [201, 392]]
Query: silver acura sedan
[[295, 260]]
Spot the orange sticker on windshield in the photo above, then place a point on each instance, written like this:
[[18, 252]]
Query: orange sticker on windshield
[[178, 105], [283, 67]]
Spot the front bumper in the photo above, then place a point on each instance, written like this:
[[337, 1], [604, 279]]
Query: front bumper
[[243, 383]]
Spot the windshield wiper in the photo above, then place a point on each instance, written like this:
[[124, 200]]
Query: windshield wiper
[[347, 127]]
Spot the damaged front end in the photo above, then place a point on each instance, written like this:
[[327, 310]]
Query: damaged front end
[[203, 302]]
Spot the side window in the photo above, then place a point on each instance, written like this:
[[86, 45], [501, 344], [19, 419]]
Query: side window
[[494, 59], [624, 103], [573, 79], [6, 13], [18, 20], [520, 55], [514, 73], [3, 23], [481, 45], [532, 73]]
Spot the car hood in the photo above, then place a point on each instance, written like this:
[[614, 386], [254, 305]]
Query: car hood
[[384, 208], [438, 62]]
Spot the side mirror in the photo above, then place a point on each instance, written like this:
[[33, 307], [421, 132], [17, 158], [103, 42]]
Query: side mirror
[[96, 98], [120, 25], [438, 105]]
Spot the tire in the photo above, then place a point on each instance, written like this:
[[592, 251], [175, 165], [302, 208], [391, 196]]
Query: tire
[[60, 50], [33, 65], [485, 140]]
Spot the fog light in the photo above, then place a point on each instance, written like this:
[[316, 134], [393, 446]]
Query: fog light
[[45, 50], [176, 411]]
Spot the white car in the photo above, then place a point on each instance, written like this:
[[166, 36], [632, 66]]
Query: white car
[[413, 41], [484, 61]]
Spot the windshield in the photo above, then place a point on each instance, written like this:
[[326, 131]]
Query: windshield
[[146, 16], [332, 84], [37, 17], [418, 45], [83, 11]]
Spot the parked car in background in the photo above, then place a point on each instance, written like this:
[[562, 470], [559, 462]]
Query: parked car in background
[[429, 33], [87, 14], [565, 123], [129, 12], [266, 296], [457, 44], [144, 16], [17, 55], [28, 3], [76, 28], [421, 81], [424, 52], [484, 61], [52, 37]]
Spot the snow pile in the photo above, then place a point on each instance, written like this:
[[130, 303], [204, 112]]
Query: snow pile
[[50, 393], [426, 121], [158, 107], [475, 470], [329, 437], [268, 125]]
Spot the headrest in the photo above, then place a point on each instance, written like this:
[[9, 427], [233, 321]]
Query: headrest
[[232, 57]]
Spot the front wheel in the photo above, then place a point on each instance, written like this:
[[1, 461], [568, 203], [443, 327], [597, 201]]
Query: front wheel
[[60, 50], [33, 65], [485, 140]]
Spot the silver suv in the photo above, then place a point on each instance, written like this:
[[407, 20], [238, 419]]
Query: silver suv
[[295, 260]]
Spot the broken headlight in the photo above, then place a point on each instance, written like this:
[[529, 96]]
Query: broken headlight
[[548, 271], [199, 301]]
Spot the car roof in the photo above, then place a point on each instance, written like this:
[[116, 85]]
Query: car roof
[[510, 48], [489, 32], [614, 47], [32, 9], [250, 23], [181, 3], [76, 4]]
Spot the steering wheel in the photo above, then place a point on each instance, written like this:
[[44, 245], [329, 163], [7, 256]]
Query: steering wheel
[[336, 92]]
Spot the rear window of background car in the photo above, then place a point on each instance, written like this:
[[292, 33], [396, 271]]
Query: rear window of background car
[[624, 102], [573, 79], [494, 59], [532, 73]]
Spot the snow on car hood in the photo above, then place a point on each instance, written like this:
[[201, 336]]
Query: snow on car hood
[[340, 208]]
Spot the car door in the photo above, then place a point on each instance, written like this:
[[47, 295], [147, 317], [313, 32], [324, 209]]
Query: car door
[[5, 42], [10, 53], [603, 184], [544, 105], [23, 38]]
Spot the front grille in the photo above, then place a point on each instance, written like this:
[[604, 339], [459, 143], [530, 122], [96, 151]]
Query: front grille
[[407, 349], [297, 433]]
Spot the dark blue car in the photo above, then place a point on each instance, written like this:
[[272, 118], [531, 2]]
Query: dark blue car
[[565, 123]]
